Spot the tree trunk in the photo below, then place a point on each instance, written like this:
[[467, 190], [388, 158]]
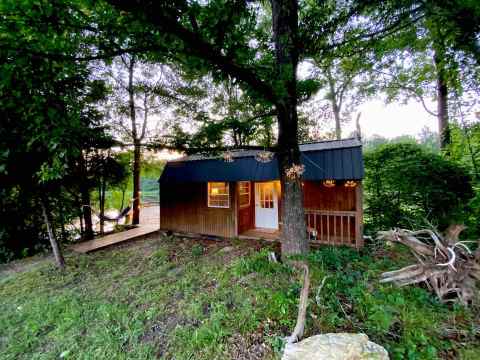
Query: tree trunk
[[60, 261], [335, 107], [338, 127], [137, 155], [442, 100], [62, 223], [82, 229], [87, 213], [101, 198], [285, 32], [137, 146], [124, 189]]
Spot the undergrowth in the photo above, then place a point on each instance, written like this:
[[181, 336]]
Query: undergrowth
[[183, 299]]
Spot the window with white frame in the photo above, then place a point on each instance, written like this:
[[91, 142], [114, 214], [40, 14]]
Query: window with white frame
[[218, 195], [244, 193]]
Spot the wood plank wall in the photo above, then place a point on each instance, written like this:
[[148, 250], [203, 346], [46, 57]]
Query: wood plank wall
[[336, 213], [183, 207], [337, 198]]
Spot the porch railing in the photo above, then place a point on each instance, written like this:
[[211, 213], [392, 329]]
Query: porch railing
[[333, 227]]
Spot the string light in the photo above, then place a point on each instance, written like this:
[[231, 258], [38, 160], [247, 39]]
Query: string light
[[329, 183], [227, 156], [350, 183], [295, 171], [264, 156]]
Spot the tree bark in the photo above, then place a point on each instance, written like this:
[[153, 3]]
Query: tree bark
[[338, 126], [87, 213], [137, 155], [137, 146], [335, 107], [442, 100], [101, 198], [285, 33], [59, 260]]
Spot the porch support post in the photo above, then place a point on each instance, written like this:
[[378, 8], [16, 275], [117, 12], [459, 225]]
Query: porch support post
[[235, 205], [359, 215]]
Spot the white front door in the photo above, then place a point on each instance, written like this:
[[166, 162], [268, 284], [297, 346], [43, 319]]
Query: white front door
[[266, 205]]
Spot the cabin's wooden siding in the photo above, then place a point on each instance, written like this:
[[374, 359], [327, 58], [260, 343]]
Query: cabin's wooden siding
[[336, 213], [183, 207], [336, 198]]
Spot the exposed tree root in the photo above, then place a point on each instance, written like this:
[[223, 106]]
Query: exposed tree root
[[303, 303], [445, 263]]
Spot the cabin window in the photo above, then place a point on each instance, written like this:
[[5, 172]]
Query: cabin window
[[218, 195], [244, 193]]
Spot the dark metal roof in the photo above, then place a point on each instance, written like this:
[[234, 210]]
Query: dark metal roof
[[338, 159]]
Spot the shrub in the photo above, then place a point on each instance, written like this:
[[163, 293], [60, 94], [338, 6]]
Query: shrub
[[405, 185]]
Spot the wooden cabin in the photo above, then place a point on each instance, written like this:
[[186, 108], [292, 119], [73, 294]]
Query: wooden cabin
[[242, 198]]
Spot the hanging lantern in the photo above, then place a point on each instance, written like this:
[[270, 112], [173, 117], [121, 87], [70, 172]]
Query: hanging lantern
[[227, 156], [295, 172], [329, 183], [264, 156], [350, 183]]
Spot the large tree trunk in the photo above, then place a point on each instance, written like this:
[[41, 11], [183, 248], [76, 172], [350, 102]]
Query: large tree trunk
[[285, 32], [59, 260], [137, 155], [442, 100]]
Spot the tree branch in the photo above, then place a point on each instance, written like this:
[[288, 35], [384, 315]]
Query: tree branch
[[196, 45]]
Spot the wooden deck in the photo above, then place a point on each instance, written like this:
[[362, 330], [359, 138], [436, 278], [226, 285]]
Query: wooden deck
[[260, 234], [112, 239]]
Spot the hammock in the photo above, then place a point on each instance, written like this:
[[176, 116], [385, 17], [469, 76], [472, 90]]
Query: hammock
[[122, 214]]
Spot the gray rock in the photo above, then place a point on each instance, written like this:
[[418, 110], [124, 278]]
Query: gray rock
[[341, 346], [226, 249]]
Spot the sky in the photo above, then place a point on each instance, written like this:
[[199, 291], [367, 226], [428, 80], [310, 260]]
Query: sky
[[394, 119], [378, 118]]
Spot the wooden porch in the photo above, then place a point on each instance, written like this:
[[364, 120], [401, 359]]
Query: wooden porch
[[323, 228]]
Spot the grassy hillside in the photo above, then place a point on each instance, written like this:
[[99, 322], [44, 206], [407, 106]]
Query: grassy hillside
[[176, 298]]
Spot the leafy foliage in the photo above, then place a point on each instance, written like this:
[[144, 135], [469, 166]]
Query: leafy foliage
[[48, 112], [407, 186]]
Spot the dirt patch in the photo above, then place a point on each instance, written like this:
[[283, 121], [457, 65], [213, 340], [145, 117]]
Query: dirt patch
[[250, 347]]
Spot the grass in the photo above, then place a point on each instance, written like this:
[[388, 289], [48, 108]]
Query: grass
[[176, 298]]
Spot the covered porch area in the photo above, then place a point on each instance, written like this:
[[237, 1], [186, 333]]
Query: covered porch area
[[333, 211]]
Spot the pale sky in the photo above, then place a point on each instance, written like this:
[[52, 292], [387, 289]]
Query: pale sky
[[391, 120]]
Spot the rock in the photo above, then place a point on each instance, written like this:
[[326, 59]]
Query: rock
[[226, 249], [341, 346]]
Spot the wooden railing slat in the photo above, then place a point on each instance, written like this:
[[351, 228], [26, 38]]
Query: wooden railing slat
[[327, 234]]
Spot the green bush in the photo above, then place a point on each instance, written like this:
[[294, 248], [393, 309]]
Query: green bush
[[408, 186]]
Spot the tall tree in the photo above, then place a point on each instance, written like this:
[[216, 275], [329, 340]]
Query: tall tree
[[48, 113], [343, 81], [138, 92]]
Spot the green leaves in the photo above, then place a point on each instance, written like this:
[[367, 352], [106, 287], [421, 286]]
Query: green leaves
[[406, 186]]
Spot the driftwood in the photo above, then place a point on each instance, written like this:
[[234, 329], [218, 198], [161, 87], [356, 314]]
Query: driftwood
[[446, 264]]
